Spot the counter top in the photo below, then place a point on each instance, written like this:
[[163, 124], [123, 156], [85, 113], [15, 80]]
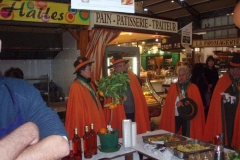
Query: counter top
[[58, 106]]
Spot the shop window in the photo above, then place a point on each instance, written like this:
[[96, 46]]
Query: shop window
[[233, 32], [211, 34], [224, 20], [206, 23], [224, 33], [218, 21], [218, 34], [230, 20]]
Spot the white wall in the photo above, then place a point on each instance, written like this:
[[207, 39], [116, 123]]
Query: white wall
[[62, 65], [30, 68], [60, 68]]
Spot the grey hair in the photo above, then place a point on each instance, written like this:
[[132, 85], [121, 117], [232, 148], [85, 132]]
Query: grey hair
[[185, 68]]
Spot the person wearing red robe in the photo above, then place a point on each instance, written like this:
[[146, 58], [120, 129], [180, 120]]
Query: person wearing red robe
[[224, 110], [171, 120], [83, 107], [135, 106]]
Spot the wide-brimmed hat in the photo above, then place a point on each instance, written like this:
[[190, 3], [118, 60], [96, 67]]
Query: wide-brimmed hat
[[81, 61], [189, 109], [117, 59], [235, 61]]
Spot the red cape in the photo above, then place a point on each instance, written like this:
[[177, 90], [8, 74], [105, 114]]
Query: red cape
[[214, 119], [82, 110], [167, 121], [141, 110]]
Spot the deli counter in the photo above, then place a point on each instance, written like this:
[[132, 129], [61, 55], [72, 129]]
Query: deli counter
[[153, 99]]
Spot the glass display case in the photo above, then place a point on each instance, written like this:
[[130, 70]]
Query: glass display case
[[154, 101], [152, 98]]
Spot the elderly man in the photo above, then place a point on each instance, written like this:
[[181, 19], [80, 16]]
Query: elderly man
[[224, 110], [173, 119], [28, 128], [83, 107], [135, 106]]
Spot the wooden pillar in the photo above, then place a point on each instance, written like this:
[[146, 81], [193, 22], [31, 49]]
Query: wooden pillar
[[83, 41]]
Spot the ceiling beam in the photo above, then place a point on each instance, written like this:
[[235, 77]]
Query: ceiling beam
[[155, 3], [191, 10]]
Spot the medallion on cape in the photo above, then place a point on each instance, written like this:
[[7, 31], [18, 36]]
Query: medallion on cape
[[87, 85], [182, 89]]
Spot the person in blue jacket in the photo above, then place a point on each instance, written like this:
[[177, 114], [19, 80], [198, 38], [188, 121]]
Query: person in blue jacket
[[28, 128]]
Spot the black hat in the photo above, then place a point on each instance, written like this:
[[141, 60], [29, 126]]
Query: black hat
[[117, 59], [235, 61], [189, 109], [81, 62]]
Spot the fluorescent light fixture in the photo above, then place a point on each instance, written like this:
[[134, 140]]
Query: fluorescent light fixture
[[197, 49], [200, 33]]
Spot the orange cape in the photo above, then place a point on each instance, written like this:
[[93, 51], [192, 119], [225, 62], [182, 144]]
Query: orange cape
[[214, 120], [141, 110], [167, 121], [82, 110]]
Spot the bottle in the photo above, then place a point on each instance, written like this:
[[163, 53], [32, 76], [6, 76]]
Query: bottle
[[93, 140], [86, 144], [76, 145], [218, 153]]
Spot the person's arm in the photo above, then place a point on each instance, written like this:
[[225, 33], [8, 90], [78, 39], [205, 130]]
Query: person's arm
[[12, 145], [50, 148]]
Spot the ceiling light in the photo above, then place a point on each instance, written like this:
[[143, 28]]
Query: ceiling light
[[200, 33], [145, 9], [172, 1], [156, 39]]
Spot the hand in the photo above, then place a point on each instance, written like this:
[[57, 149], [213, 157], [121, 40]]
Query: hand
[[179, 104]]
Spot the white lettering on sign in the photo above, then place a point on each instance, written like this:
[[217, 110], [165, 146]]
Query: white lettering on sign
[[217, 42], [137, 22]]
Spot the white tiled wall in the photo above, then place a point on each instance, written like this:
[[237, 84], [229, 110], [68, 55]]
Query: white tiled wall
[[60, 68], [30, 68], [62, 65]]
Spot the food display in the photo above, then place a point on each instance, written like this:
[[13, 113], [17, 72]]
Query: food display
[[149, 98], [191, 147], [164, 138], [185, 148]]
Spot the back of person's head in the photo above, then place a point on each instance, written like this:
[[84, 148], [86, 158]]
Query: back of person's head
[[14, 73], [197, 71], [210, 58]]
